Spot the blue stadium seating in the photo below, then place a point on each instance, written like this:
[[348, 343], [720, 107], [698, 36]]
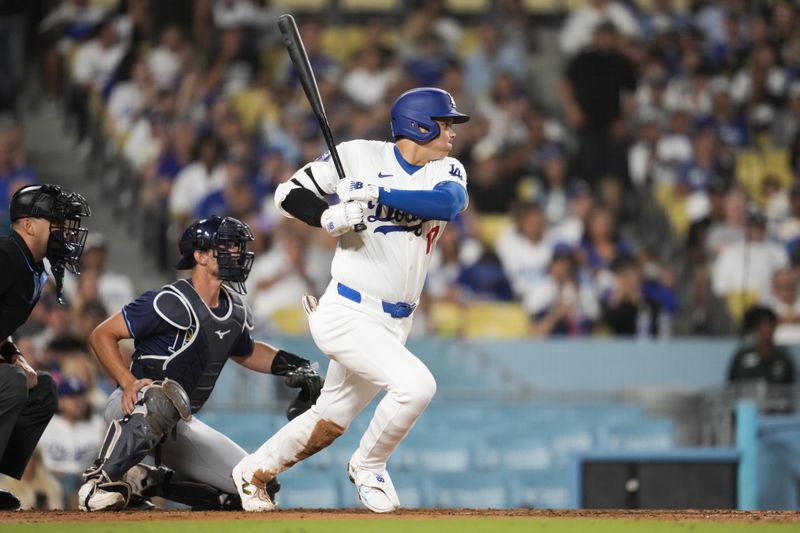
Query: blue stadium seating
[[309, 489], [653, 434], [477, 490], [462, 454], [547, 489], [520, 453]]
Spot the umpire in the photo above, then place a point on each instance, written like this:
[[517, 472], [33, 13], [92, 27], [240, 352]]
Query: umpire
[[45, 222]]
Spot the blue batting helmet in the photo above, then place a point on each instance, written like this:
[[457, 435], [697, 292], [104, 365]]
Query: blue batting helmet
[[420, 108]]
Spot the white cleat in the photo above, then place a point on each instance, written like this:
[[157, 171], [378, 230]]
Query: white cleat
[[92, 498], [254, 496], [374, 489]]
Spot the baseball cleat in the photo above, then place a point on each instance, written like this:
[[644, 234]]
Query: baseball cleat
[[374, 489], [8, 502], [254, 494], [92, 498]]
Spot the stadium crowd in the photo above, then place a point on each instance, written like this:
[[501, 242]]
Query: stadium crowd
[[657, 194]]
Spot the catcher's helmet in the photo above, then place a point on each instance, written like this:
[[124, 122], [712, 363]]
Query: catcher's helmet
[[421, 107], [64, 210], [228, 237]]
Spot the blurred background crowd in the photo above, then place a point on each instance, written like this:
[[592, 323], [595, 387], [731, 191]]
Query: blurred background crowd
[[633, 166]]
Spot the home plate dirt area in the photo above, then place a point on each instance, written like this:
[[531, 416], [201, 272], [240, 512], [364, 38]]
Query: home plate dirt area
[[32, 517]]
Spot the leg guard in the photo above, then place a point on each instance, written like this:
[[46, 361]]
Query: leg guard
[[130, 439]]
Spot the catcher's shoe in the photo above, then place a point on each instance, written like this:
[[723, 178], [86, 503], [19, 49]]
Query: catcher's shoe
[[143, 478], [374, 489], [8, 502], [94, 495], [253, 491]]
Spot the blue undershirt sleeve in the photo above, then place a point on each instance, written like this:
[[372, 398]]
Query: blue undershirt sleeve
[[444, 202]]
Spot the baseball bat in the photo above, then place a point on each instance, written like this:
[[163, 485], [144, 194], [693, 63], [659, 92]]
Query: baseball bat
[[297, 52]]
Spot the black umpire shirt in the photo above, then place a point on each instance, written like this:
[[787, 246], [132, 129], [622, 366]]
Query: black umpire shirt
[[21, 283]]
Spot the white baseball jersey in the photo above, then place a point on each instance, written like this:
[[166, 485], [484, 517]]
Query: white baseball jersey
[[389, 260]]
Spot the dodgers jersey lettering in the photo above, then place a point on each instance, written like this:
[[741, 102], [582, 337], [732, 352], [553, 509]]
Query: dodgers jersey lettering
[[389, 260]]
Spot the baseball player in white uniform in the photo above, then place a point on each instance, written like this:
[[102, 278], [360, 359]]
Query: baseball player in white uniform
[[405, 192]]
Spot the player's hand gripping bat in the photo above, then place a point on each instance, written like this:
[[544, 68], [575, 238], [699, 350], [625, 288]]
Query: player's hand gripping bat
[[297, 52]]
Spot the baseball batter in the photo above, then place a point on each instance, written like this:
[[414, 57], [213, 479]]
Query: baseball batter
[[405, 192]]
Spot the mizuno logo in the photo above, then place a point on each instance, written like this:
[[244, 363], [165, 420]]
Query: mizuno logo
[[382, 175], [222, 333]]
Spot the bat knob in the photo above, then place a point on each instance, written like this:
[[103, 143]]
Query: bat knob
[[360, 227]]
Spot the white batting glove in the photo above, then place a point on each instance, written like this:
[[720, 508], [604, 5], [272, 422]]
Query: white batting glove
[[350, 190], [340, 218]]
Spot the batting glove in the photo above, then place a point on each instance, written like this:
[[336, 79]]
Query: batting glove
[[342, 217], [350, 190]]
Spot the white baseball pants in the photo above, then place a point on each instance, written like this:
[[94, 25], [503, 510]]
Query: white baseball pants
[[367, 352]]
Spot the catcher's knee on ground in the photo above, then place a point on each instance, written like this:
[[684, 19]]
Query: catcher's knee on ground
[[147, 481]]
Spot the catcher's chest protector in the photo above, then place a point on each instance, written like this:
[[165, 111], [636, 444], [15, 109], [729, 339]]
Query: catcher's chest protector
[[207, 342]]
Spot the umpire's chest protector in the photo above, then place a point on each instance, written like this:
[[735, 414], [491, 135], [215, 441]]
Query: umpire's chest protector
[[207, 344]]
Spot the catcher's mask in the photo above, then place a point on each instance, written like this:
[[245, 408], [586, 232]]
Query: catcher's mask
[[64, 210], [228, 238]]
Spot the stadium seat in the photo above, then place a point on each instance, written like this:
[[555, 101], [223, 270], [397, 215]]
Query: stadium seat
[[654, 434], [438, 451], [567, 438], [252, 106], [302, 5], [543, 7], [495, 320], [737, 302], [674, 207], [370, 6], [475, 490], [491, 226], [541, 490], [682, 6], [519, 453], [468, 7], [301, 488], [752, 166], [446, 318], [290, 320]]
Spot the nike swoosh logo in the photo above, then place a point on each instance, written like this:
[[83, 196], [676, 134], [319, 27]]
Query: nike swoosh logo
[[382, 175], [222, 333]]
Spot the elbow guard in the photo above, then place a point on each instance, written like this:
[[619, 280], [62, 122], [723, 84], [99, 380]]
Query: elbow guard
[[300, 203]]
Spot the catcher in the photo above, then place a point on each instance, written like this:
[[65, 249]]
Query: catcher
[[183, 335]]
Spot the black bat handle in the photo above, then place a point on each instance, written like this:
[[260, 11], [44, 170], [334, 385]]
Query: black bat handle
[[297, 52]]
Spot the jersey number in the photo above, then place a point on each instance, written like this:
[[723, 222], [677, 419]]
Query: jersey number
[[431, 236]]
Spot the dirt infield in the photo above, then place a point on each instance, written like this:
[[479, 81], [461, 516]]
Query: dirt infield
[[32, 517]]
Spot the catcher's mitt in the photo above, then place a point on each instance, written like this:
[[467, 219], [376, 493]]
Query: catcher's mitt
[[310, 384]]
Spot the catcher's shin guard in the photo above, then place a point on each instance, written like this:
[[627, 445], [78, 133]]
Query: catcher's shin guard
[[128, 440]]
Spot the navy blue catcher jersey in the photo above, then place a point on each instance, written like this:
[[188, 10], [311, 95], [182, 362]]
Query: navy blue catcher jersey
[[154, 335]]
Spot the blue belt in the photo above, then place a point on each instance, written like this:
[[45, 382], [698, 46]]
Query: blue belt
[[396, 310]]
